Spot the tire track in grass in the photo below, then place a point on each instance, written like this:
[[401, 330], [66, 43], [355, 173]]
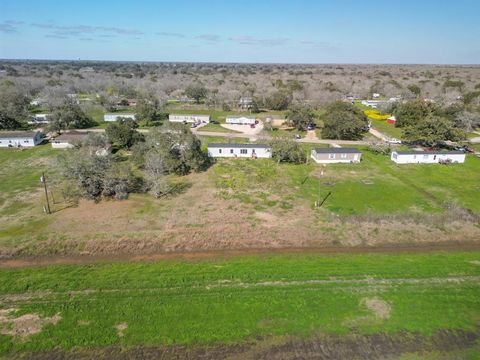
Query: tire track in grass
[[364, 284]]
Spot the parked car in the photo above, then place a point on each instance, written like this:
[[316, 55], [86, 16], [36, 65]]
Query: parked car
[[311, 127], [394, 141], [194, 125], [297, 137]]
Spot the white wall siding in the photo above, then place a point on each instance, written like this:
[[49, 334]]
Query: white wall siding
[[189, 118], [426, 158], [232, 152], [27, 141], [114, 117], [56, 144], [240, 120]]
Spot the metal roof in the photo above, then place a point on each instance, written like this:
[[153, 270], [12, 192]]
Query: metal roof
[[17, 134], [239, 117], [333, 150], [72, 135], [243, 146], [191, 115], [429, 152]]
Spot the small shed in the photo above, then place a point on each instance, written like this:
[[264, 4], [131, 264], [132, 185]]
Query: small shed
[[392, 120]]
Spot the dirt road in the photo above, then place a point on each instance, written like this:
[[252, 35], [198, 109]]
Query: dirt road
[[200, 255]]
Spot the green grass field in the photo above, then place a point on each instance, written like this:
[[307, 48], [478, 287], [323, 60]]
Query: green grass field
[[387, 129], [234, 300], [376, 185], [216, 128]]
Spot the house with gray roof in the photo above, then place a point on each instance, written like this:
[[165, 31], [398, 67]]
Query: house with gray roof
[[17, 139], [427, 157], [336, 155], [68, 139]]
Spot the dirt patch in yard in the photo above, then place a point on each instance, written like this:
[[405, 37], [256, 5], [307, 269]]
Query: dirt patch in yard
[[379, 307], [121, 328], [201, 219], [448, 343], [23, 325]]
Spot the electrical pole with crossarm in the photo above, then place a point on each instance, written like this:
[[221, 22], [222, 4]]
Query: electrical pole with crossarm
[[43, 180]]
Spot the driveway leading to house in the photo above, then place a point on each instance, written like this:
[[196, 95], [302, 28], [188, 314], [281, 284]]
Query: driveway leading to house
[[253, 137], [378, 134], [245, 129]]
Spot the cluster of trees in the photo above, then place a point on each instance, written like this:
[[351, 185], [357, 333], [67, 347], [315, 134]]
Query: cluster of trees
[[122, 133], [97, 173], [344, 121], [13, 106], [69, 115], [432, 123], [301, 116], [287, 150], [170, 149]]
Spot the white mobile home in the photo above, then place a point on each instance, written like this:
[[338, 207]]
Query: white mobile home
[[20, 138], [115, 117], [67, 140], [427, 157], [336, 155], [39, 119], [189, 118], [241, 120], [240, 150]]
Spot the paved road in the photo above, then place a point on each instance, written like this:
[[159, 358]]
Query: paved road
[[252, 137], [378, 134], [266, 137]]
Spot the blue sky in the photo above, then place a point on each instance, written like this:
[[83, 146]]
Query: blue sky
[[300, 31]]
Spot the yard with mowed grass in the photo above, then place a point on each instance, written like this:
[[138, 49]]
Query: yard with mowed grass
[[376, 185], [387, 129], [238, 300], [362, 203]]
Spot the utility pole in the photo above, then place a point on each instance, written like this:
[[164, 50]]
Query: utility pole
[[43, 180], [319, 196]]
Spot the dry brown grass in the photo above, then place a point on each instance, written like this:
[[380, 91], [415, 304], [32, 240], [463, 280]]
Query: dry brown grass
[[200, 219], [23, 325]]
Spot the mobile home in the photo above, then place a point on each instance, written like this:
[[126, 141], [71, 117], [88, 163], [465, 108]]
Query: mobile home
[[427, 157], [336, 155], [20, 138], [241, 120], [240, 150], [189, 118], [115, 117]]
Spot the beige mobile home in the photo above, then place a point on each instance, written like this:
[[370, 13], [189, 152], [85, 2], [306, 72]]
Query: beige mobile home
[[336, 155]]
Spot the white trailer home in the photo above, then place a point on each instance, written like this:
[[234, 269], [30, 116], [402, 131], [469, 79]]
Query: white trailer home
[[336, 155], [115, 117], [39, 119], [427, 157], [240, 150], [374, 104], [241, 120], [189, 118], [20, 138]]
